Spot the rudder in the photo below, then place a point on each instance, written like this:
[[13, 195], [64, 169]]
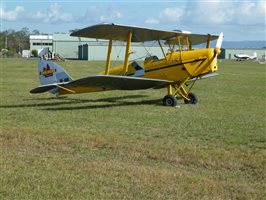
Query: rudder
[[50, 72]]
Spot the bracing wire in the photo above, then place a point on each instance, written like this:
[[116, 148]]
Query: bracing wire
[[117, 51], [146, 50]]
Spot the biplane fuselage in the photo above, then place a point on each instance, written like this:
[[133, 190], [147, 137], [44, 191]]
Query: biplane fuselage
[[176, 67]]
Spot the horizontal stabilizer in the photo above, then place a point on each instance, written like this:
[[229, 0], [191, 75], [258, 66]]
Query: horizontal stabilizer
[[112, 82], [45, 88]]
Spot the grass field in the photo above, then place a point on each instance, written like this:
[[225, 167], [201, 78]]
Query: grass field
[[126, 145]]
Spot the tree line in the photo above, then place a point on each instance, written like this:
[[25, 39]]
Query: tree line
[[13, 42]]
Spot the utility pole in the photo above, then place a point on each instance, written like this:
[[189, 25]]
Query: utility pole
[[6, 41]]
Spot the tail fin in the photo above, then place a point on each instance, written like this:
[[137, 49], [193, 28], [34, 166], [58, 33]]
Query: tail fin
[[50, 72]]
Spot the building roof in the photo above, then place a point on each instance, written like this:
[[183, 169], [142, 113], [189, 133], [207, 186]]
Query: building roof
[[41, 37], [67, 37]]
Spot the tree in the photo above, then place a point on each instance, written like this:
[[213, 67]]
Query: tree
[[15, 40], [25, 31], [35, 32], [73, 30]]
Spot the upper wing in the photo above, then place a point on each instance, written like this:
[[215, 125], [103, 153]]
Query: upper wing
[[112, 82], [105, 82], [139, 34], [120, 32], [199, 38], [193, 38]]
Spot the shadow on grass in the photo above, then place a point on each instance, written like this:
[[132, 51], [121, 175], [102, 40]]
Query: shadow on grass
[[61, 101], [157, 102]]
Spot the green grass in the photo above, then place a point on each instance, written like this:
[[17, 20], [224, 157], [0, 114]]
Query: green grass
[[126, 145]]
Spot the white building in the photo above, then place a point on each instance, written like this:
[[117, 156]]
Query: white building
[[90, 48], [40, 41]]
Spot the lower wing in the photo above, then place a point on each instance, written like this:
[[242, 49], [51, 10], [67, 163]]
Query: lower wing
[[209, 75], [104, 82]]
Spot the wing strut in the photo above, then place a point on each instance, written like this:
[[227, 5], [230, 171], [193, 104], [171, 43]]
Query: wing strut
[[63, 88], [107, 67], [129, 37]]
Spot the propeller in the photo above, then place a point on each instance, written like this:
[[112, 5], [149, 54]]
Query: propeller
[[217, 49]]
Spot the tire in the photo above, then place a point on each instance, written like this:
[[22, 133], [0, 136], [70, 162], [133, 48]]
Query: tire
[[170, 100], [193, 99]]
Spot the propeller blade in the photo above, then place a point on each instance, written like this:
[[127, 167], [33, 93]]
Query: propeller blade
[[220, 40]]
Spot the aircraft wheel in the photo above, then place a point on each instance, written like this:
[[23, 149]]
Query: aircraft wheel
[[170, 100], [193, 99]]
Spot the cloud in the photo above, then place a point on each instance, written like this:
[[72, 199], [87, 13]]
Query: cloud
[[167, 15], [252, 13], [208, 13], [112, 15], [152, 21], [11, 15], [171, 15], [97, 14], [213, 13], [53, 15], [225, 13]]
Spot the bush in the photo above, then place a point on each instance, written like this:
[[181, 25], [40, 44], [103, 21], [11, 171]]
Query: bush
[[34, 53], [8, 54]]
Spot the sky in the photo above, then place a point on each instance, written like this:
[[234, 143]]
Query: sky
[[237, 19]]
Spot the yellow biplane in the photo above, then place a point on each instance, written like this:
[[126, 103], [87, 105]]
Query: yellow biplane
[[180, 66]]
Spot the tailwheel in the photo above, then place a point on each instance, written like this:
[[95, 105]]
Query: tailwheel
[[170, 100], [193, 99]]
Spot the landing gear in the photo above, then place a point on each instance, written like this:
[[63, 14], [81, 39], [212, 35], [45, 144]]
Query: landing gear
[[170, 100], [192, 99]]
